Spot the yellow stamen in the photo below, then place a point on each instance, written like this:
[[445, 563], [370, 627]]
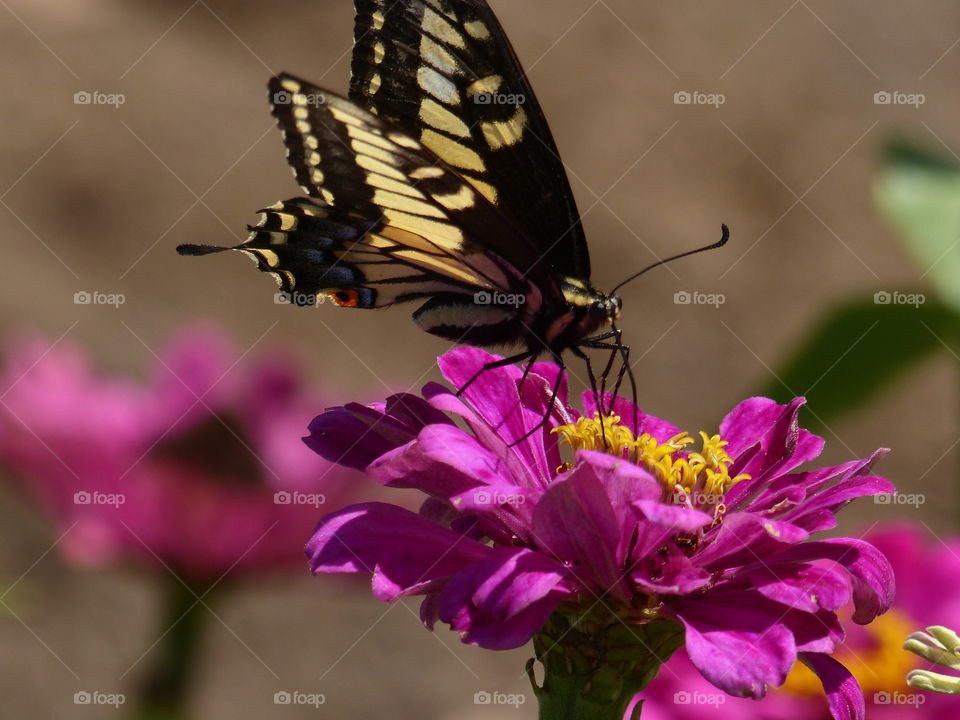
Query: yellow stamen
[[696, 478]]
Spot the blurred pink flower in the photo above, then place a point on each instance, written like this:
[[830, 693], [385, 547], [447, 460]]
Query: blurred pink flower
[[200, 467], [926, 570]]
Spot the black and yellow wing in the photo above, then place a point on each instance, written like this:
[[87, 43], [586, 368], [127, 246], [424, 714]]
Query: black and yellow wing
[[387, 221], [445, 73]]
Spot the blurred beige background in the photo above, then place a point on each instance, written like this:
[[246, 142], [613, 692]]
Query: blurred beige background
[[97, 197]]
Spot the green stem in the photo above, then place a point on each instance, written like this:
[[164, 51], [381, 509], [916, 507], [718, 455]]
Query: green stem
[[164, 693], [594, 666]]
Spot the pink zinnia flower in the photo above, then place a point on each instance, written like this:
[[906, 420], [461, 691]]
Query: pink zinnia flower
[[199, 467], [638, 536], [926, 569]]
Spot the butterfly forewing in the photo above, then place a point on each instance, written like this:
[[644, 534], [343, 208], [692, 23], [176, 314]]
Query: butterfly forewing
[[446, 74]]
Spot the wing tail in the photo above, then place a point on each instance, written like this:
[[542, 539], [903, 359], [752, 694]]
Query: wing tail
[[191, 250]]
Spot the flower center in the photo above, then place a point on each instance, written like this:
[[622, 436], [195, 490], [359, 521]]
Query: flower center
[[218, 447], [698, 479]]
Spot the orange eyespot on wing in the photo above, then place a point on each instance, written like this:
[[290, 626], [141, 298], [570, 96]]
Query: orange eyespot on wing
[[345, 298]]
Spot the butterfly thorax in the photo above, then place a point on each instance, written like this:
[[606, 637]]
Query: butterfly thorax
[[588, 312]]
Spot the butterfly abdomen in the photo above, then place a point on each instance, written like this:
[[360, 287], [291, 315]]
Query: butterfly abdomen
[[496, 319], [460, 319]]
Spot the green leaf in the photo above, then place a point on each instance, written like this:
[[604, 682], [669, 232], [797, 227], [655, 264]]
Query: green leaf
[[860, 348], [918, 192]]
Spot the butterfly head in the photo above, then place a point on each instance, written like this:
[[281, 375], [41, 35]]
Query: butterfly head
[[589, 311], [606, 310]]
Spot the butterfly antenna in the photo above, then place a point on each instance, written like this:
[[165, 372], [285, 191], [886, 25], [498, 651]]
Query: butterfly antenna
[[720, 243], [194, 250]]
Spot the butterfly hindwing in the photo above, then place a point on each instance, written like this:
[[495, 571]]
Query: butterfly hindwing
[[446, 74], [316, 252]]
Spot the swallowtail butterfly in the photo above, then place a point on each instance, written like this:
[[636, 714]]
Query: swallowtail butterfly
[[437, 181]]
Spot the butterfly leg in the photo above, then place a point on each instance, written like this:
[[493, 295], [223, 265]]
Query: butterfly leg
[[597, 398], [503, 362], [626, 370], [550, 405], [606, 374], [597, 342], [627, 367], [597, 390], [526, 371]]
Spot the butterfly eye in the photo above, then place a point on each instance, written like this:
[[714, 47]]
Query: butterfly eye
[[346, 298]]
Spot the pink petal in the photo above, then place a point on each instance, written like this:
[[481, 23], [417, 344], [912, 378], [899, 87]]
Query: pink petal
[[843, 691], [501, 602], [442, 461], [737, 644], [404, 549]]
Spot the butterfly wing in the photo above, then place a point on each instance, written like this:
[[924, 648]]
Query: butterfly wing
[[445, 72], [388, 222]]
